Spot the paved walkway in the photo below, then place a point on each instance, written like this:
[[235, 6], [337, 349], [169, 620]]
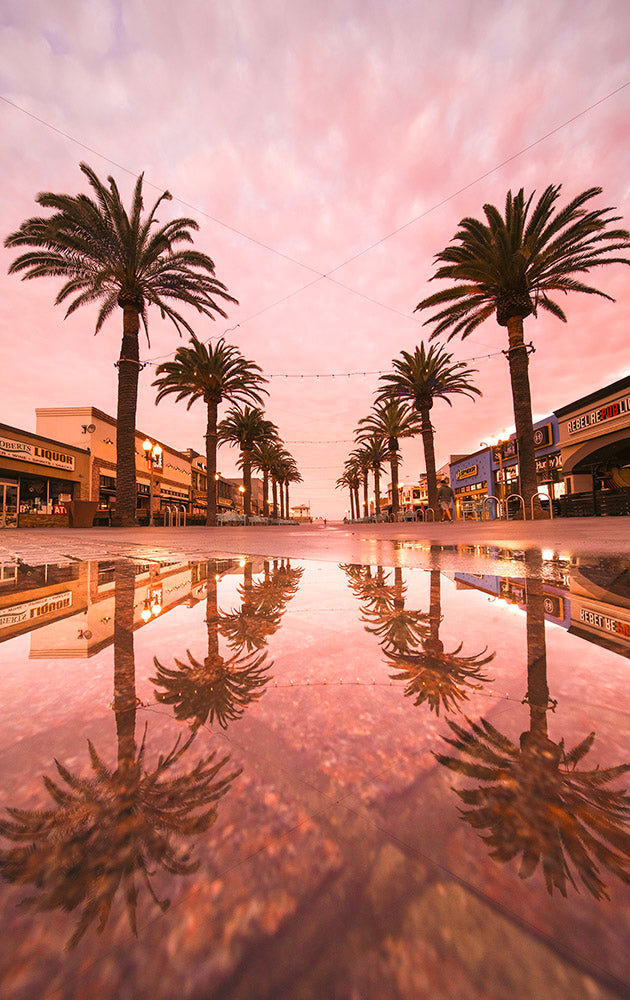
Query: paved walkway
[[408, 543]]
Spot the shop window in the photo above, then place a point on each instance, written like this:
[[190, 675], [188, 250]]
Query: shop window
[[33, 495]]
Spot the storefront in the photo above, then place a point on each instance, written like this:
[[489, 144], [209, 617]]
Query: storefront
[[472, 484], [595, 446], [39, 477], [505, 470]]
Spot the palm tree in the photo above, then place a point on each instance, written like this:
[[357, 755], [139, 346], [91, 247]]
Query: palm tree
[[508, 267], [347, 481], [363, 462], [119, 259], [375, 452], [245, 428], [265, 455], [423, 377], [291, 475], [392, 419], [383, 608], [212, 374], [109, 830], [533, 799]]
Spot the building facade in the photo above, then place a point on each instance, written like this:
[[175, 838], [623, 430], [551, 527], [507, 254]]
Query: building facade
[[39, 477]]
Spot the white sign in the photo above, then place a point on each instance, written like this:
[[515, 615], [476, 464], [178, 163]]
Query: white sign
[[29, 610], [606, 412], [35, 453]]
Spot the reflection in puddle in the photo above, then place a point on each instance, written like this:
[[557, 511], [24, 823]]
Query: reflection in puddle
[[322, 853]]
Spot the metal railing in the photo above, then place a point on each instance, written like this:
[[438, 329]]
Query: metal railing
[[175, 516], [513, 496], [497, 509], [545, 497]]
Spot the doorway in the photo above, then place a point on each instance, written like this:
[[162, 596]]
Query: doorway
[[8, 503]]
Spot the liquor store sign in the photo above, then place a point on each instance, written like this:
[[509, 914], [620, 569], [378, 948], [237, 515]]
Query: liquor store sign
[[607, 412], [18, 614], [22, 451]]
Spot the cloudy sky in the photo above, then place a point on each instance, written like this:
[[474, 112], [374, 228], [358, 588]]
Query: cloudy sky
[[327, 150]]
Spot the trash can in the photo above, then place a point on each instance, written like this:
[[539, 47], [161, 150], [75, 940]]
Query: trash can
[[81, 513]]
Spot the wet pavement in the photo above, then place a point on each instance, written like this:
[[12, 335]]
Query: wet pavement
[[394, 766]]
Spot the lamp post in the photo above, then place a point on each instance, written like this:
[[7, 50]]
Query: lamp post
[[153, 454]]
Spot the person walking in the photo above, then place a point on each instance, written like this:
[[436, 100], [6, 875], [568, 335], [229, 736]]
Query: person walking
[[445, 497]]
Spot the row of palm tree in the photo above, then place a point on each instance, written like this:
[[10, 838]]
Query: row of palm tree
[[507, 266], [220, 373], [403, 409]]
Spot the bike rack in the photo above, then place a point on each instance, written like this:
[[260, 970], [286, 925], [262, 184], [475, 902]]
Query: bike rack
[[513, 496], [428, 511], [544, 495], [497, 509]]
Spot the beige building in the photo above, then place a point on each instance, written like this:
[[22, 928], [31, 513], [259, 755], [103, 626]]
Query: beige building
[[93, 430], [595, 439], [39, 476]]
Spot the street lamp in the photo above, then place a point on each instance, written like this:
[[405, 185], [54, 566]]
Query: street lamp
[[153, 454]]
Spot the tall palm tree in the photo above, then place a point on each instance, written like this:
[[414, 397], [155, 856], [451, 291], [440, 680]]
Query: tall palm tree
[[265, 455], [534, 799], [212, 374], [347, 481], [509, 266], [291, 475], [245, 428], [423, 377], [363, 462], [121, 259], [375, 451], [110, 830], [392, 419]]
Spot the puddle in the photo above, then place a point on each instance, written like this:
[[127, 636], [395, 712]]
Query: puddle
[[288, 779]]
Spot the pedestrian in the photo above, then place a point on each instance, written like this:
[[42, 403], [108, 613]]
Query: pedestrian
[[445, 497]]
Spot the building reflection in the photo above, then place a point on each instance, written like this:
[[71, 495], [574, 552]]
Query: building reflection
[[539, 801], [110, 831]]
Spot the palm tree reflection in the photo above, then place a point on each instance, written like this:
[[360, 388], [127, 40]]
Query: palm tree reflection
[[431, 675], [108, 831], [220, 688], [411, 640], [536, 799]]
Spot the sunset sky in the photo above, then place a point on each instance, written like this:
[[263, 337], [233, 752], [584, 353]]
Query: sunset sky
[[327, 150]]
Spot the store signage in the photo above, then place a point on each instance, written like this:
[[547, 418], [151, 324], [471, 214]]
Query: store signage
[[35, 453], [19, 613], [548, 463], [543, 436], [607, 412], [605, 623], [471, 470]]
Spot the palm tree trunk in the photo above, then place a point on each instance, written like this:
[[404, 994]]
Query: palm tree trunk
[[128, 370], [351, 504], [365, 495], [212, 616], [377, 491], [247, 483], [124, 666], [211, 466], [537, 687], [522, 403], [281, 487], [274, 494], [286, 502], [265, 493], [429, 460], [393, 459]]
